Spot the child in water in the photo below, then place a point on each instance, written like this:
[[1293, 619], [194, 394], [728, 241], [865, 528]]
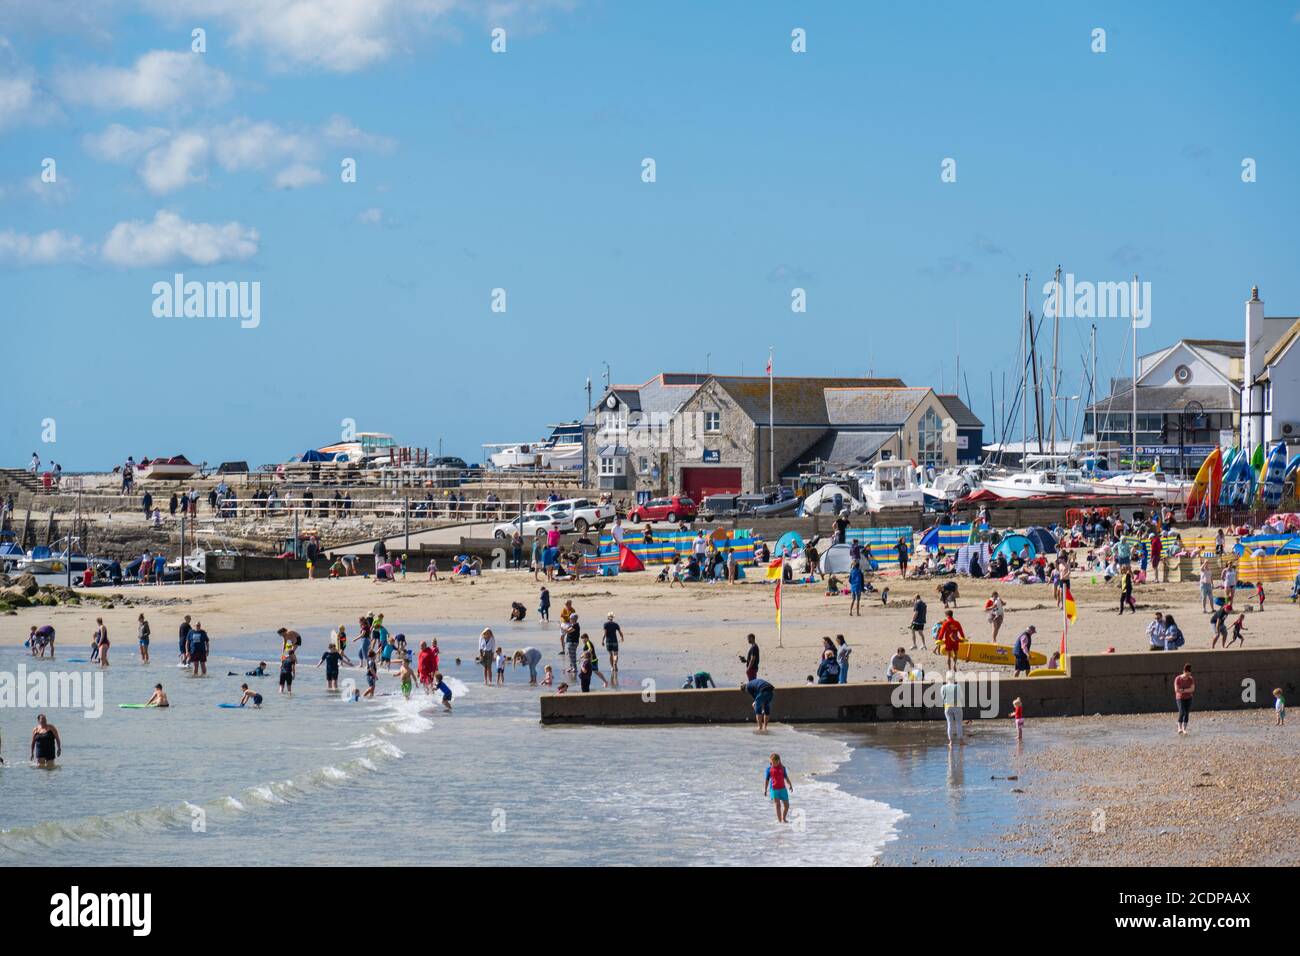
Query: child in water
[[1018, 712], [548, 676], [544, 604], [500, 663], [249, 697], [407, 677], [776, 784], [441, 687]]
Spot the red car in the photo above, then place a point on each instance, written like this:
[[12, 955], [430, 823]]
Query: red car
[[674, 509]]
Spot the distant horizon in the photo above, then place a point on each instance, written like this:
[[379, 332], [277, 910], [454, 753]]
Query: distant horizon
[[440, 230]]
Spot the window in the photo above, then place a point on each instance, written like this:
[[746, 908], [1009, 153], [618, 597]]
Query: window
[[611, 467], [712, 422], [929, 439], [644, 465], [614, 421]]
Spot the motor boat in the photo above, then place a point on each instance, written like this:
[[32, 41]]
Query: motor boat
[[51, 567], [893, 484], [953, 484], [1146, 484], [1046, 482], [176, 468], [562, 450]]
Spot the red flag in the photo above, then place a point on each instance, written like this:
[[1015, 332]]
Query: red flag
[[778, 604]]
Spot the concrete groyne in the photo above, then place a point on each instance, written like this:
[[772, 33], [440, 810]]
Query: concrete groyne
[[1094, 684]]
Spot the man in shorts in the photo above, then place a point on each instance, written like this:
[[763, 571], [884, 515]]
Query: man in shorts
[[762, 692], [613, 634], [918, 621], [198, 643]]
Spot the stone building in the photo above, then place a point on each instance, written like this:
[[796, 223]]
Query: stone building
[[698, 434]]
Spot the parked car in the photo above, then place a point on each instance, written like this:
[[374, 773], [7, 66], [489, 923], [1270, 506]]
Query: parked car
[[582, 513], [676, 508], [533, 523]]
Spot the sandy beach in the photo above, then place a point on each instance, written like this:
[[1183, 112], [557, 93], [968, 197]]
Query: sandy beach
[[706, 623]]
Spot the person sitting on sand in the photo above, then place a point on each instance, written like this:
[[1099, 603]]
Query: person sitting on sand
[[517, 611]]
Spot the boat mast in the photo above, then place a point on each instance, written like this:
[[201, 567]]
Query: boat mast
[[1024, 373], [1056, 342], [1134, 389]]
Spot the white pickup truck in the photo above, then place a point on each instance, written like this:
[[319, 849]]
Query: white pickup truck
[[581, 513]]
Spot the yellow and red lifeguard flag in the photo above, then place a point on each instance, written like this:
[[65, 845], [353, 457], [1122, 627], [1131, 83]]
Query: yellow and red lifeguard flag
[[774, 570], [1071, 609], [778, 604]]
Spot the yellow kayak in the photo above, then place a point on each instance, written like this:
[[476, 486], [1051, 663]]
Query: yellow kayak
[[978, 653]]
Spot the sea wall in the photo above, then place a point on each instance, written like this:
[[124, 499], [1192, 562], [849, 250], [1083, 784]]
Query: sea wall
[[1095, 684]]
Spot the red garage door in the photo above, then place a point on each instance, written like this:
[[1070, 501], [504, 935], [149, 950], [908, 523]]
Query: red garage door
[[698, 482]]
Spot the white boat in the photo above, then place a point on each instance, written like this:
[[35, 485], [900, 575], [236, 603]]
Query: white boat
[[1039, 483], [953, 484], [893, 484], [365, 447], [176, 468], [560, 451], [51, 567], [822, 501], [1147, 484]]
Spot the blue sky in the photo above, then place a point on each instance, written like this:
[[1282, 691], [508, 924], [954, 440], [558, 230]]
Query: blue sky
[[522, 171]]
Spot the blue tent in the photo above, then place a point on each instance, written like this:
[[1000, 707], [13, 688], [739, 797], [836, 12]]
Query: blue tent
[[1042, 540], [312, 454], [792, 539], [1011, 545]]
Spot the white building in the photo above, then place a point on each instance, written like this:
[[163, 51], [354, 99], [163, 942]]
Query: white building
[[1270, 394]]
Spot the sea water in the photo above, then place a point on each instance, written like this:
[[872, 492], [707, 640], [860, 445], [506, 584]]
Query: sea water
[[317, 778]]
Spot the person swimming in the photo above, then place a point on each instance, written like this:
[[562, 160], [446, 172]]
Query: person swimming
[[259, 671], [249, 697]]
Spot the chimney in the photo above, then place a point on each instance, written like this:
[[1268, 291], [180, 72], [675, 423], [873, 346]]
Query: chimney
[[1252, 417]]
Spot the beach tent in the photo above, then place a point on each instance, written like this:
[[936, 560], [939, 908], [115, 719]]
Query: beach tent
[[791, 539], [836, 560], [1012, 544], [947, 536], [967, 552], [628, 561], [823, 500], [1042, 540]]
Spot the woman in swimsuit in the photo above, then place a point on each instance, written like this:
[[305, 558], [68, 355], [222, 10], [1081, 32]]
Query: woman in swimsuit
[[101, 641], [46, 743]]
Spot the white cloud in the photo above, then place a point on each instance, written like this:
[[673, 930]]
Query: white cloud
[[371, 217], [160, 79], [348, 35], [17, 94], [298, 175], [43, 249], [172, 159], [176, 163], [341, 131], [118, 143], [169, 238]]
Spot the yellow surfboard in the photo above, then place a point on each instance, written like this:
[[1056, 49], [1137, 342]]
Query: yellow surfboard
[[978, 653]]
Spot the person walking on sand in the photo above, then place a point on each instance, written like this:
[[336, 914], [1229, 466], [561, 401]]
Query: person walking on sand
[[950, 637], [918, 621], [997, 612], [613, 637], [1207, 586], [1279, 705], [487, 648], [1126, 591], [1184, 688], [776, 785], [902, 557], [1021, 648], [857, 582], [950, 693], [143, 630], [1238, 626]]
